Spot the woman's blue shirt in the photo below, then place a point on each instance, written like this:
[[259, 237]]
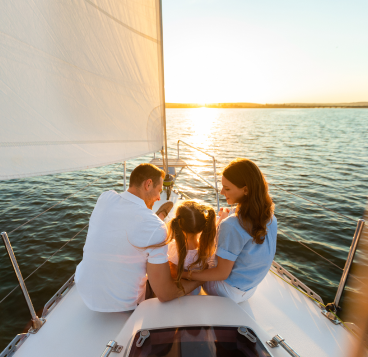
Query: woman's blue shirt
[[252, 261]]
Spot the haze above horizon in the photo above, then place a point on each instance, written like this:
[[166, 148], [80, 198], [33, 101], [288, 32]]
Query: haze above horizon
[[265, 52]]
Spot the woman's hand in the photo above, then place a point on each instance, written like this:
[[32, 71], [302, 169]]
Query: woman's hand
[[223, 213]]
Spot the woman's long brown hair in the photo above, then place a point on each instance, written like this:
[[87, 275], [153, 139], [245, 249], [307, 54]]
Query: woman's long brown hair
[[257, 206], [193, 218]]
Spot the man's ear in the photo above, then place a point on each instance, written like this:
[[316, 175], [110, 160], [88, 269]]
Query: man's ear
[[147, 184]]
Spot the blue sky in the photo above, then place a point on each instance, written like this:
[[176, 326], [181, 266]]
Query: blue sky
[[266, 51]]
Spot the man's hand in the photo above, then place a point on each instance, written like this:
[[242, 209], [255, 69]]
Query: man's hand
[[163, 284]]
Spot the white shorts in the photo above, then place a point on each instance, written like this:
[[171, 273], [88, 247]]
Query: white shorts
[[220, 288]]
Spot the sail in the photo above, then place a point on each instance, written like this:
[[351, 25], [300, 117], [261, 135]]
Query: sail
[[81, 84]]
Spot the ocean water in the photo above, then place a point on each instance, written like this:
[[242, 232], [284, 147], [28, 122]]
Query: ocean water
[[319, 154]]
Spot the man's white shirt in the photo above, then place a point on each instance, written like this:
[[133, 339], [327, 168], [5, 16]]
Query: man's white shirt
[[112, 275]]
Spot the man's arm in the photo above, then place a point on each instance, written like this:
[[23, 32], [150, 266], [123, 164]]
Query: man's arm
[[221, 272], [163, 285]]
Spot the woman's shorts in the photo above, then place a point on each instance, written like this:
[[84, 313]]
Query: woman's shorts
[[220, 288]]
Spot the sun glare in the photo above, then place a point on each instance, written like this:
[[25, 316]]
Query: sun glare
[[202, 122]]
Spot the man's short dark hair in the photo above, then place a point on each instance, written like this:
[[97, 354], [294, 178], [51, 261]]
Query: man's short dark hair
[[143, 172]]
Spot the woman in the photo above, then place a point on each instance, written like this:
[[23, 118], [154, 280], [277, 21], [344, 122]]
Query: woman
[[246, 238]]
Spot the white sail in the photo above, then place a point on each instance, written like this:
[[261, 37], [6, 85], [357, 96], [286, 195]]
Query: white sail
[[80, 84]]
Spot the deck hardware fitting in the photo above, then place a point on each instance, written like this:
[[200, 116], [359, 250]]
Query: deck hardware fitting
[[50, 305], [278, 269], [14, 345], [244, 331], [277, 341], [33, 329], [144, 334], [331, 316], [37, 323], [111, 346]]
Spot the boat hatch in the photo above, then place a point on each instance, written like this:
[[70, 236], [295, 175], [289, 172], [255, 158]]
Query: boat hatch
[[201, 341]]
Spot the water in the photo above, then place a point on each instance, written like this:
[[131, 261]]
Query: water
[[320, 154]]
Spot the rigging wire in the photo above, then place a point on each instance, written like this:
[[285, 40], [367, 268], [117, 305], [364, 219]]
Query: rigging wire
[[43, 263], [304, 245], [315, 203], [48, 209]]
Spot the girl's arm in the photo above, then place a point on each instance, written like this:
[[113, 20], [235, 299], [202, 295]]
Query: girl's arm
[[221, 272], [173, 270]]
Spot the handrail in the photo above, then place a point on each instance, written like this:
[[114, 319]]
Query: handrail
[[214, 170], [193, 147], [201, 177]]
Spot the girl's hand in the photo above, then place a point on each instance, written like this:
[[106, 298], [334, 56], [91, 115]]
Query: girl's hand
[[224, 213], [173, 270]]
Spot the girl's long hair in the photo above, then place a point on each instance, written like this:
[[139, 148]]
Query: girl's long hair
[[257, 206], [193, 218]]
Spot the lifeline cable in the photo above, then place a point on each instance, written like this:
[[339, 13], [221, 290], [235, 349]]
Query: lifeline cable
[[48, 209], [16, 287]]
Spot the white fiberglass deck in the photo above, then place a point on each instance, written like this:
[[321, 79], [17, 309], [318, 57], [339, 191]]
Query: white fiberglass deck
[[276, 308]]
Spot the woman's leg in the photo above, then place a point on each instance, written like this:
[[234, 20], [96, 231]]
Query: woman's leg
[[220, 288]]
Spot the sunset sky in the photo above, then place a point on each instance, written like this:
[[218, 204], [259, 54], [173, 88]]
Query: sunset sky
[[266, 51]]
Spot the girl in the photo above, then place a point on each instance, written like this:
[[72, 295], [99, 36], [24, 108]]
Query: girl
[[192, 239], [246, 238]]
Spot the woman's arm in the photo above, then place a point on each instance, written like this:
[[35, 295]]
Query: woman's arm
[[221, 272]]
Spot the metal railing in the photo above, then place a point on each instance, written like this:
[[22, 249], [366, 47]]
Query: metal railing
[[215, 186]]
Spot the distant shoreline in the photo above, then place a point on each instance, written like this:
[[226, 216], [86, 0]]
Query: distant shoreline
[[263, 106]]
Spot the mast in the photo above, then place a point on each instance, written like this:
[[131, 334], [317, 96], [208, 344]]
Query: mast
[[166, 168]]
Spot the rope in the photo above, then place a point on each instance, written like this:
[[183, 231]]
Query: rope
[[304, 245], [48, 209], [45, 261], [315, 203]]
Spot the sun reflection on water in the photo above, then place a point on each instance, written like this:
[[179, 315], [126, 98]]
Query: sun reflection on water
[[202, 121], [202, 126]]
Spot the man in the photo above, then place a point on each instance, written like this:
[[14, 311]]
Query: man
[[113, 273]]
